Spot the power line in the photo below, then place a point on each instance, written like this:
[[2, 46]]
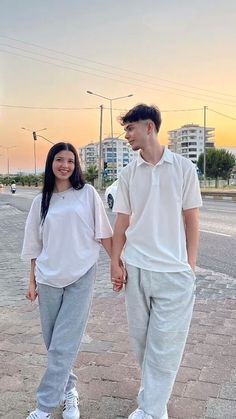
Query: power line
[[182, 110], [115, 67], [78, 109], [42, 108], [222, 114], [113, 79], [167, 88], [109, 73]]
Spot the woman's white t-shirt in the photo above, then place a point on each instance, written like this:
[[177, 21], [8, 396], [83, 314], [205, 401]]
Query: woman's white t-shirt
[[67, 245]]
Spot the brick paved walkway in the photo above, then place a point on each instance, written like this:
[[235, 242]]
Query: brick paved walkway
[[108, 373]]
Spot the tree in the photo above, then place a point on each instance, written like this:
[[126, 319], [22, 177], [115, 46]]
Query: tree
[[219, 164], [91, 174]]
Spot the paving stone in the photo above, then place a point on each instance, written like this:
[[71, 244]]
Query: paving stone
[[221, 409], [215, 375], [228, 391], [201, 390], [182, 408]]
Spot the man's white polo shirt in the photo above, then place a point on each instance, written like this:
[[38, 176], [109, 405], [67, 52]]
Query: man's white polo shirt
[[155, 197]]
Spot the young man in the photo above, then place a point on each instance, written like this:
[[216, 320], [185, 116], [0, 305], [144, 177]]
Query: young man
[[157, 222]]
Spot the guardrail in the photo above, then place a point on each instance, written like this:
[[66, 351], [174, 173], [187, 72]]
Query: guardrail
[[229, 196]]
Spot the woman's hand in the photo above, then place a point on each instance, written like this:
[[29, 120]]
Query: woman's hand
[[118, 276]]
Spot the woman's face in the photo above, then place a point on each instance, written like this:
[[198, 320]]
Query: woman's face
[[63, 165]]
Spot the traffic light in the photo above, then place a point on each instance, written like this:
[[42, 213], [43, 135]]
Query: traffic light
[[105, 165], [34, 136]]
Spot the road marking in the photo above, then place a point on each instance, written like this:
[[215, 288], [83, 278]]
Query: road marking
[[214, 232], [219, 210]]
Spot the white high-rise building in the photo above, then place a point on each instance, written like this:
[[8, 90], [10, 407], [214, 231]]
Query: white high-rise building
[[189, 140], [89, 155], [116, 154]]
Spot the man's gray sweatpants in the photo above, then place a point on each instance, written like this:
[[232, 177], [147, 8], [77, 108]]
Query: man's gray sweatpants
[[159, 309], [64, 314]]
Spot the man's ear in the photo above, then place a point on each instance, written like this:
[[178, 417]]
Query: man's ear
[[150, 127]]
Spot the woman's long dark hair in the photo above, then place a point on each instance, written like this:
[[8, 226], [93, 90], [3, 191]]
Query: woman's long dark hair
[[76, 179]]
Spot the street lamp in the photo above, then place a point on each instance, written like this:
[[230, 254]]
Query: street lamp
[[8, 160], [35, 135], [110, 100], [204, 142]]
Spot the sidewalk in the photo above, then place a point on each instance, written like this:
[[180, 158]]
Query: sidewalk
[[108, 373]]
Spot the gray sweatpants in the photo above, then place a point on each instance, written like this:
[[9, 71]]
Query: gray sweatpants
[[159, 310], [64, 314]]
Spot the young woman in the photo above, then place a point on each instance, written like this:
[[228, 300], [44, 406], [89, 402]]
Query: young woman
[[64, 229]]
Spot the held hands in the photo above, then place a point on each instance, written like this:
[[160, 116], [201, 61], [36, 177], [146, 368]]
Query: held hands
[[118, 276], [32, 291]]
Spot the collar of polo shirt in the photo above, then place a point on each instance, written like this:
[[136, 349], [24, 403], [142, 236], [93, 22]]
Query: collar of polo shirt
[[167, 157]]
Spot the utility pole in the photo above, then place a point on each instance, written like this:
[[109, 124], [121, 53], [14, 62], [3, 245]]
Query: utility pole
[[8, 161], [204, 142], [100, 151], [35, 139], [111, 121]]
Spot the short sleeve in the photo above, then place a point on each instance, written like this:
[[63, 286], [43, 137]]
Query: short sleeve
[[122, 201], [32, 244], [102, 227], [191, 189]]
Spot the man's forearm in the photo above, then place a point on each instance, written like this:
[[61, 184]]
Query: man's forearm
[[119, 237], [107, 243], [118, 243], [192, 235]]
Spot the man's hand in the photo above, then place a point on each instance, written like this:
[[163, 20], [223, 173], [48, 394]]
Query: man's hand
[[118, 276], [32, 293]]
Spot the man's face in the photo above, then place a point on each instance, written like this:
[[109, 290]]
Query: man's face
[[136, 133]]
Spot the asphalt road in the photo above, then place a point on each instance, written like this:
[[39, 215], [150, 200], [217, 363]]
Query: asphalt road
[[217, 250]]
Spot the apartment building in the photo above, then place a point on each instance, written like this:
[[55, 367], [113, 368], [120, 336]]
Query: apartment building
[[116, 153], [188, 140], [89, 155]]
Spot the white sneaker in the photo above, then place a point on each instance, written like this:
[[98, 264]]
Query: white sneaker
[[138, 414], [38, 414], [71, 405]]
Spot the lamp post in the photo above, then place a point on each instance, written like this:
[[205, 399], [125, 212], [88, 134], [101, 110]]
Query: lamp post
[[111, 121], [0, 170], [8, 160], [204, 142], [100, 151], [35, 135]]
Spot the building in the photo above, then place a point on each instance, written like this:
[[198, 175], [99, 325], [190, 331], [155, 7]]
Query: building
[[189, 140], [116, 154], [88, 156]]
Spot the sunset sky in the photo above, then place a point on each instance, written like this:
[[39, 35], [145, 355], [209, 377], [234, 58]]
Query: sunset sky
[[177, 55]]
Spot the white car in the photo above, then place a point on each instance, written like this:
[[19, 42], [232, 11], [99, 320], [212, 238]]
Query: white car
[[110, 194]]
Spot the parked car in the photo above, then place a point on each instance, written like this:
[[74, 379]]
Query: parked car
[[110, 194]]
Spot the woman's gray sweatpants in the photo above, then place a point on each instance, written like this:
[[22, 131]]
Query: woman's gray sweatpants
[[159, 309], [64, 314]]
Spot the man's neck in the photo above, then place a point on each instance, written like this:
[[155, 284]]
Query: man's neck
[[152, 153]]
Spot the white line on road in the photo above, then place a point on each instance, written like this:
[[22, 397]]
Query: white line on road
[[219, 210], [214, 232]]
